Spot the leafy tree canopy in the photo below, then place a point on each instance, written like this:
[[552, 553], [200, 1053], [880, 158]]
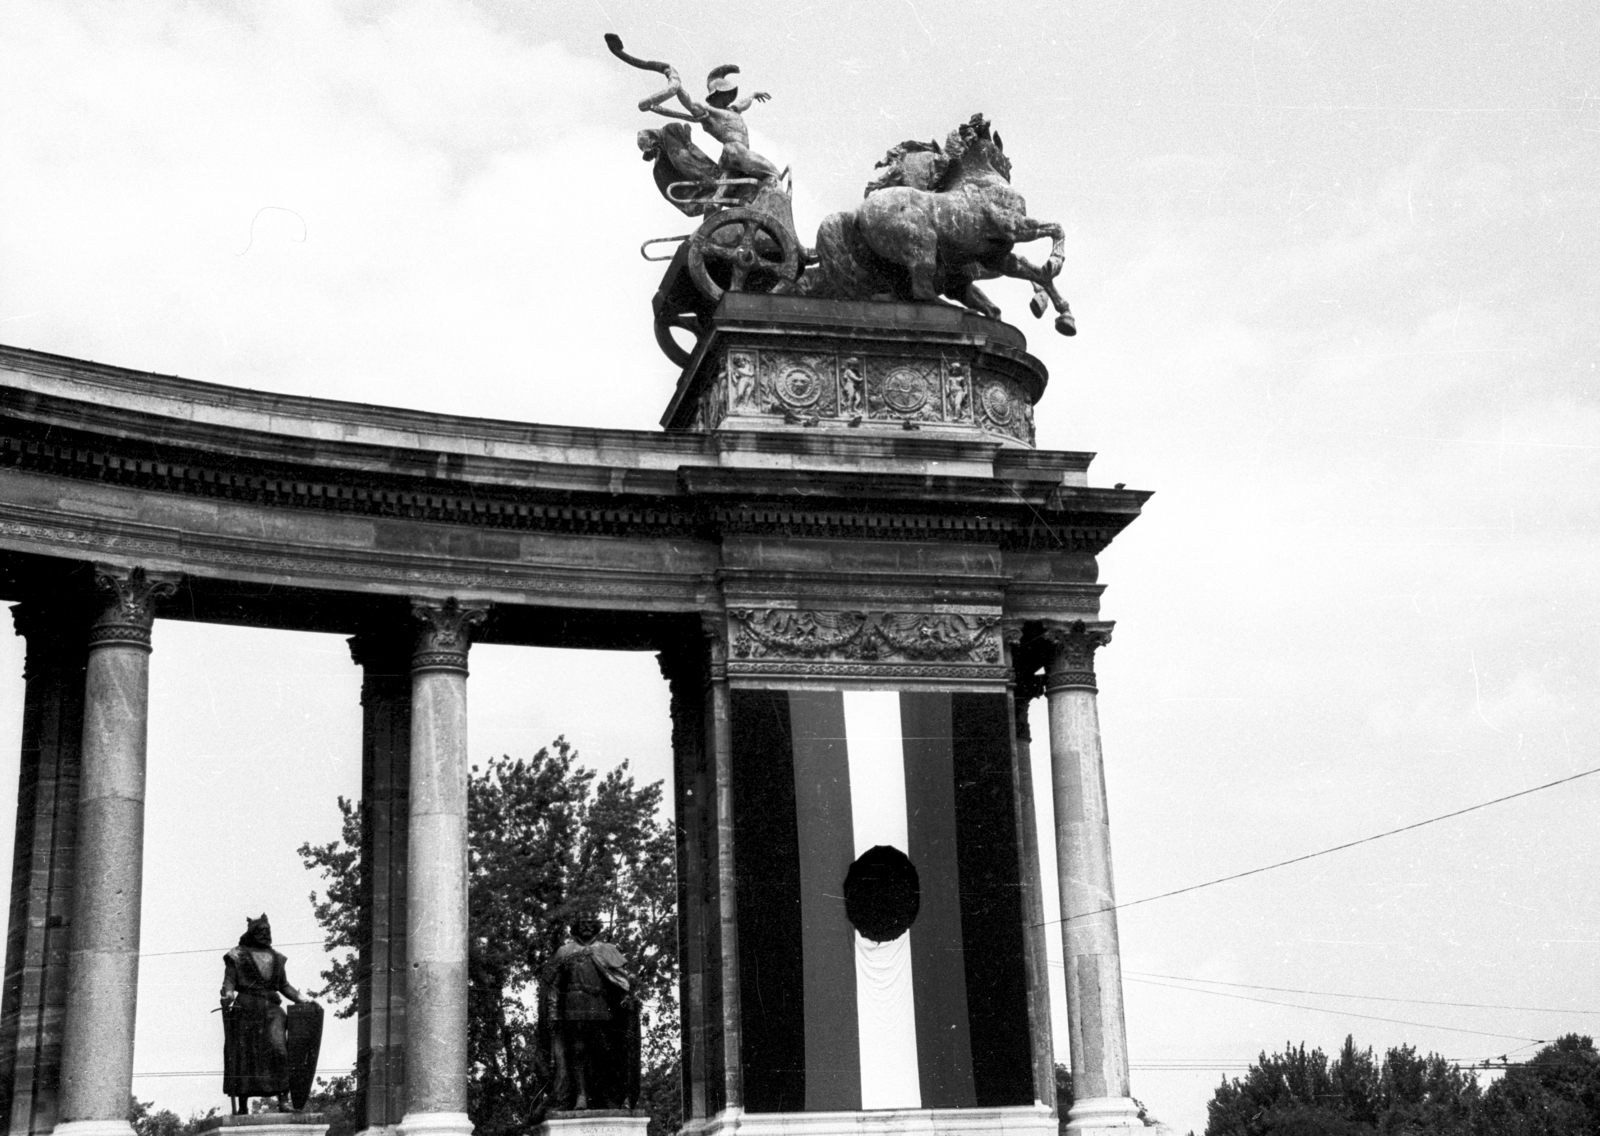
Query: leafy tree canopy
[[548, 840], [1301, 1092]]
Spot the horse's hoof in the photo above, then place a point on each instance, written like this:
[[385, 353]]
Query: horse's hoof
[[1066, 325]]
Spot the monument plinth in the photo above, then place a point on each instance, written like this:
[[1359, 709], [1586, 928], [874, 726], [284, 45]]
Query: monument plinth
[[266, 1124], [774, 362], [594, 1122]]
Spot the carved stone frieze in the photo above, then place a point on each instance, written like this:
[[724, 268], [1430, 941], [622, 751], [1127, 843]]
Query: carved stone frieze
[[859, 383], [772, 634], [798, 386], [905, 389], [1002, 406], [130, 609]]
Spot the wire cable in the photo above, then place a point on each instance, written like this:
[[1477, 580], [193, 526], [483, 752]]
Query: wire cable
[[1325, 851], [1345, 1013], [1361, 997], [221, 950]]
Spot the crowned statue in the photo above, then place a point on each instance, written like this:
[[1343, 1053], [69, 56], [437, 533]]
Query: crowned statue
[[265, 1052]]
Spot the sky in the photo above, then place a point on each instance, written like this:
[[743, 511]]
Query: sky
[[1334, 271]]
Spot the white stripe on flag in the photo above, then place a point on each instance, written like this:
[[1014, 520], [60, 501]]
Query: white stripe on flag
[[885, 1004]]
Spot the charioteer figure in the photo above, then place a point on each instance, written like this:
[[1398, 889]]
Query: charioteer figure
[[265, 1052], [721, 115]]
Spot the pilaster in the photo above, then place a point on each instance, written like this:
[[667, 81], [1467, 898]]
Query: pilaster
[[33, 1009], [684, 668], [384, 655], [1022, 690], [726, 1086]]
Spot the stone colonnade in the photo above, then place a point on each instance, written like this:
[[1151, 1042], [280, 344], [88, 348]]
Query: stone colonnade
[[73, 958], [73, 970]]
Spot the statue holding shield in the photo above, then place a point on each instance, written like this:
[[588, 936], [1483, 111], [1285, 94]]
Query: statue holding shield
[[265, 1052]]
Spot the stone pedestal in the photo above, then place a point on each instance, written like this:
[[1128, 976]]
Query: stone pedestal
[[1022, 1120], [103, 967], [777, 362], [595, 1122], [268, 1124], [436, 891]]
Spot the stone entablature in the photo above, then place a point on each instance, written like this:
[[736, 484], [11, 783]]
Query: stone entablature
[[98, 464], [777, 362]]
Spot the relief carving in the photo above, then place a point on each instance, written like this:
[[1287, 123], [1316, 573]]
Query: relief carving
[[771, 633], [1002, 406], [801, 385], [957, 392], [852, 396], [741, 369], [907, 389]]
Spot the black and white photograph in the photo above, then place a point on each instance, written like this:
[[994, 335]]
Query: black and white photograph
[[810, 568]]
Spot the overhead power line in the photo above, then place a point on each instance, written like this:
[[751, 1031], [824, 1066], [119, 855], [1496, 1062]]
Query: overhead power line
[[218, 1072], [1326, 851], [1363, 997], [1344, 1013], [220, 950]]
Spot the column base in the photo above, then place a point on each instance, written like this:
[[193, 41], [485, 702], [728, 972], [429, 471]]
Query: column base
[[435, 1124], [1015, 1120], [594, 1122], [1110, 1115], [92, 1128]]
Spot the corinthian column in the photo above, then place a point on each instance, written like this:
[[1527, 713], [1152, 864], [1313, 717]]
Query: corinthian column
[[1096, 1029], [103, 962], [436, 878]]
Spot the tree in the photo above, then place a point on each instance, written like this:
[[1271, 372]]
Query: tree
[[547, 841], [1302, 1092], [1556, 1093], [164, 1122]]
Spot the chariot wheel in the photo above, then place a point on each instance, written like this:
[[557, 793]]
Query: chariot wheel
[[742, 246]]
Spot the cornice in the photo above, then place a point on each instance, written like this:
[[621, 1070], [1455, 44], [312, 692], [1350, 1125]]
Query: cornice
[[693, 501]]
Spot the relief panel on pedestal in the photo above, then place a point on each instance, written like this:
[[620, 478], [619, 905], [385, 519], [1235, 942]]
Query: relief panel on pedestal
[[864, 644]]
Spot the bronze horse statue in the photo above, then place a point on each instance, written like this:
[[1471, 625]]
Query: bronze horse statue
[[936, 222]]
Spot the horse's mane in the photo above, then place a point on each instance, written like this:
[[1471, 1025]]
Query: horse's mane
[[939, 166], [928, 172]]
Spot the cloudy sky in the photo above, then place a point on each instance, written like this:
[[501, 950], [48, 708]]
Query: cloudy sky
[[1334, 268]]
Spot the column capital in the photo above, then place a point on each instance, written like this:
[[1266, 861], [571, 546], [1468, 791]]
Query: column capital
[[55, 628], [446, 632], [1071, 646], [714, 629], [129, 597]]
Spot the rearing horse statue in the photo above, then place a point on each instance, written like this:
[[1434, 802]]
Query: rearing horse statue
[[933, 224]]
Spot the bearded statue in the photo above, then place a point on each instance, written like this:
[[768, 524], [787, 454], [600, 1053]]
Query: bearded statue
[[258, 1037]]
